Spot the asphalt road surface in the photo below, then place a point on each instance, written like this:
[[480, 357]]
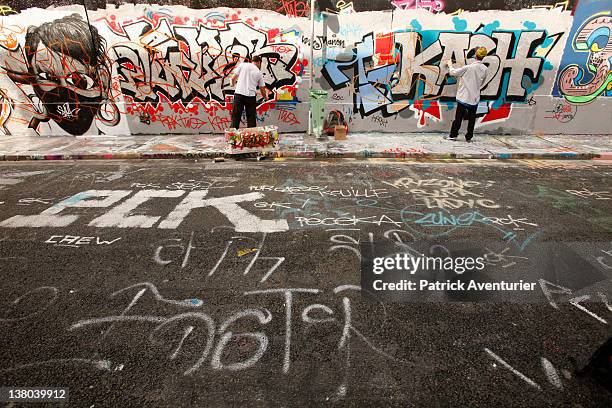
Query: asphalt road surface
[[182, 283]]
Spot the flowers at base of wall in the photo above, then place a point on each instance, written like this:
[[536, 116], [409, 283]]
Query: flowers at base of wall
[[262, 137]]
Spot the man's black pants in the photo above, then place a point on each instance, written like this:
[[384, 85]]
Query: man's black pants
[[241, 102], [462, 111]]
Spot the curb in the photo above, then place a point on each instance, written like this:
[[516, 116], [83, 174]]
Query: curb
[[292, 154], [546, 156], [604, 156]]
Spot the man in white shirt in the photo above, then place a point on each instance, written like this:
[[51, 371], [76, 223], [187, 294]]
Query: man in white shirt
[[471, 79], [249, 77]]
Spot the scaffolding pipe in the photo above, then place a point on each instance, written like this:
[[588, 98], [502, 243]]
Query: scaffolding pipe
[[311, 64]]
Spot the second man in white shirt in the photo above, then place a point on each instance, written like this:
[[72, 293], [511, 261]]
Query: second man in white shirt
[[471, 78]]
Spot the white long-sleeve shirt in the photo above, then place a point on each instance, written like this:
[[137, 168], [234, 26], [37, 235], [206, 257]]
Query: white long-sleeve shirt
[[471, 79]]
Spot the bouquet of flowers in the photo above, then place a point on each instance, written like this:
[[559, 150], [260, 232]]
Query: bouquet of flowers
[[260, 137]]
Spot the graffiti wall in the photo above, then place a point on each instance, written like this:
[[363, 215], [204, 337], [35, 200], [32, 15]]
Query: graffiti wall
[[157, 69]]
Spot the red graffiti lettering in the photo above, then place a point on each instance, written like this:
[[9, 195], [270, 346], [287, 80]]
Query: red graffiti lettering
[[287, 117], [219, 123], [293, 8]]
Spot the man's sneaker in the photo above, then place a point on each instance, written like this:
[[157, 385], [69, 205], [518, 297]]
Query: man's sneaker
[[468, 140], [450, 138]]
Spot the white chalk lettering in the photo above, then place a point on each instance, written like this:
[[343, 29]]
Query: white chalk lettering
[[243, 220], [49, 217], [120, 216]]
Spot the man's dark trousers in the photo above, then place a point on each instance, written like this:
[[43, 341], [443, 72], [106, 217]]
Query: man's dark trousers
[[241, 102], [462, 111]]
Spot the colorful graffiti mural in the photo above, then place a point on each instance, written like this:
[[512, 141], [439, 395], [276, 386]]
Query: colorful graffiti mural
[[187, 67], [587, 61], [64, 63], [393, 71], [161, 68], [147, 69]]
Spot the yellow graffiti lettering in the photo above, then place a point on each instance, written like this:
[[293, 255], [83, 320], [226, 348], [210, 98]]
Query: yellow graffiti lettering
[[243, 252], [6, 10]]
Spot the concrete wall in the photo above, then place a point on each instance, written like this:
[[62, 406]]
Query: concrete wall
[[153, 69]]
